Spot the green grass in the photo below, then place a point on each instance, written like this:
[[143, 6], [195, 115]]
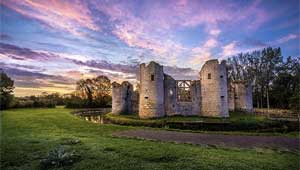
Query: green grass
[[241, 116], [29, 134]]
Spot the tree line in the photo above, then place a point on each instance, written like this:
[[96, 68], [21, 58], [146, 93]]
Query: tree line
[[275, 80], [89, 93]]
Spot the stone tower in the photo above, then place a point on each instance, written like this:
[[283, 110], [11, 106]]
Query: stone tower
[[213, 80], [121, 98], [151, 103], [242, 96]]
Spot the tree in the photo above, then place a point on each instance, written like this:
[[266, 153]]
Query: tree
[[6, 90], [102, 87], [86, 89], [271, 60], [285, 87], [259, 68], [96, 91]]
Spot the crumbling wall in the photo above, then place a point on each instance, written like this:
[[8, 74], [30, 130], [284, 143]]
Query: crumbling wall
[[231, 95], [243, 96], [135, 102], [196, 98], [175, 107], [122, 98], [151, 91], [213, 80], [192, 107], [170, 96]]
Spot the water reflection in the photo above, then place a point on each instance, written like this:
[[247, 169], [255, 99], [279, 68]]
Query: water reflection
[[93, 118], [93, 115]]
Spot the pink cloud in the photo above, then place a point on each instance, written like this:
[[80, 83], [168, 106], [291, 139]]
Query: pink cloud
[[287, 38], [229, 49], [65, 15], [152, 27]]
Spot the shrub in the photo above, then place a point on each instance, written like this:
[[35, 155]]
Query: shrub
[[294, 103], [77, 102], [28, 102], [59, 157]]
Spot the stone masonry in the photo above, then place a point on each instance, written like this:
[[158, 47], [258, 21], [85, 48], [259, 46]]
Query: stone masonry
[[121, 95], [240, 96], [160, 95]]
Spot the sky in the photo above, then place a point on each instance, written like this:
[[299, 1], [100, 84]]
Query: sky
[[48, 45]]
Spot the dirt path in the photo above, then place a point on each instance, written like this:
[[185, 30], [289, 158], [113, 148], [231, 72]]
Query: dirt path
[[272, 142]]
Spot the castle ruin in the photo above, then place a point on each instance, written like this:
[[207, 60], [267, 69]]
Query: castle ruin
[[160, 95]]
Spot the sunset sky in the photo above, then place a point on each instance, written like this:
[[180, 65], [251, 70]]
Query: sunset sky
[[47, 45]]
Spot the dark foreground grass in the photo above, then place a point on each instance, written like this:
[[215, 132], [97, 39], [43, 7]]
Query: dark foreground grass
[[29, 134]]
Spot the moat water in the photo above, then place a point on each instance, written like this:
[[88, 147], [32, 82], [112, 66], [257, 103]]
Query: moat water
[[93, 115]]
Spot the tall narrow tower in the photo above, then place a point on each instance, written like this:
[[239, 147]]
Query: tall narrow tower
[[213, 79], [151, 91], [121, 98]]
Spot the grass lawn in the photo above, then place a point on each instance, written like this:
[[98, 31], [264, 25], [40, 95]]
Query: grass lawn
[[29, 134]]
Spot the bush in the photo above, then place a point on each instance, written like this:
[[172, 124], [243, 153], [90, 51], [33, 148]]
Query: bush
[[59, 157], [5, 101], [294, 103], [30, 102], [77, 102]]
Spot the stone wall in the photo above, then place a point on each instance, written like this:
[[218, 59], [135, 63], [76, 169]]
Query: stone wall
[[175, 107], [231, 96], [135, 102], [213, 80], [122, 98], [151, 91], [170, 96], [243, 96]]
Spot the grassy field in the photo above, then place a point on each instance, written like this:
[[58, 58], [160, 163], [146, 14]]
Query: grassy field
[[29, 134]]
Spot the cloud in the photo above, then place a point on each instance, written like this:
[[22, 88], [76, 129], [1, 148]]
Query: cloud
[[151, 28], [215, 32], [64, 15], [229, 49], [5, 37], [19, 53], [179, 73], [204, 52], [30, 75], [33, 79], [26, 67], [147, 25], [253, 42], [287, 38]]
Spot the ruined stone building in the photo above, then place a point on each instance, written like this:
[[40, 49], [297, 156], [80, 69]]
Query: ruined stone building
[[240, 96], [160, 95]]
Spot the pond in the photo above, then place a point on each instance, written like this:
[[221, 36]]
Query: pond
[[93, 115]]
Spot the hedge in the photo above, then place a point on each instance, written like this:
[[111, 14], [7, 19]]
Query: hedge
[[259, 126]]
